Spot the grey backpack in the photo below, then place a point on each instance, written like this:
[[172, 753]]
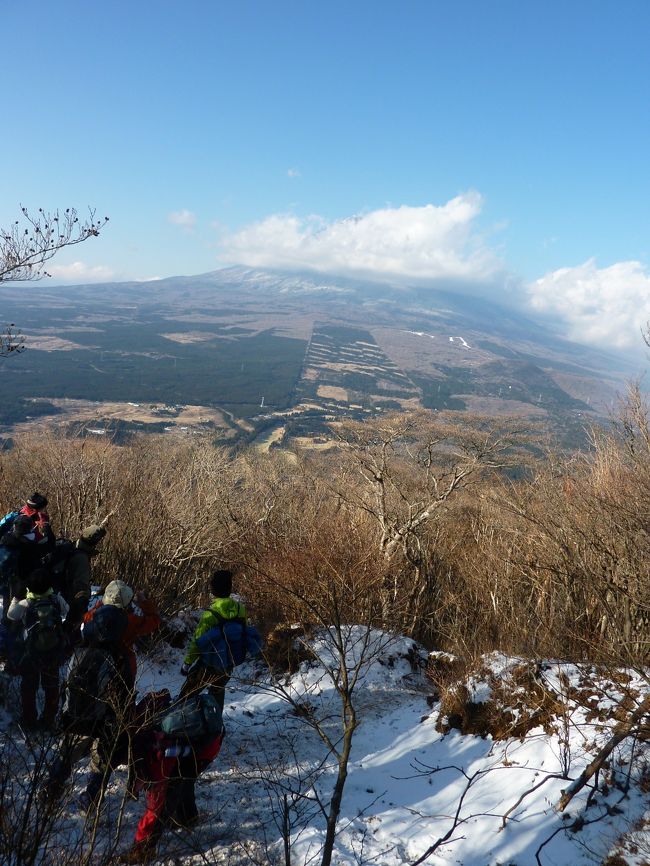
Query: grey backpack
[[197, 717]]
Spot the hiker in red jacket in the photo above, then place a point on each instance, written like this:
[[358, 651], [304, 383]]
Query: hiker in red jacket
[[120, 595], [168, 770], [35, 508]]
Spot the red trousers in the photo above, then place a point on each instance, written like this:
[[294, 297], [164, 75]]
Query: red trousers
[[170, 788]]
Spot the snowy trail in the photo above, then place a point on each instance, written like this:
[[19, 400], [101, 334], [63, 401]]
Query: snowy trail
[[394, 805]]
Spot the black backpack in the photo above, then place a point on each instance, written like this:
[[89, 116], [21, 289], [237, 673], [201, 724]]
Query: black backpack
[[8, 564], [56, 562], [43, 636], [99, 677], [88, 687]]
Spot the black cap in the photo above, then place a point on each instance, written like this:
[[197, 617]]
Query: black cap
[[37, 501]]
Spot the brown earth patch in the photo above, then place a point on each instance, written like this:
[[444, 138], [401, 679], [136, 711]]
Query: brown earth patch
[[495, 406], [286, 647], [333, 392], [88, 410], [518, 703]]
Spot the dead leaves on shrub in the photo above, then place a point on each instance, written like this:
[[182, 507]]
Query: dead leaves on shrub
[[518, 701]]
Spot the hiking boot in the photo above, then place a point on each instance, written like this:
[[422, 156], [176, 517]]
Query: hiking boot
[[50, 793], [31, 732], [140, 852], [187, 822], [47, 726]]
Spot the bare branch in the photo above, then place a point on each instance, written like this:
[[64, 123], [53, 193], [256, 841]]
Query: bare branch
[[30, 242]]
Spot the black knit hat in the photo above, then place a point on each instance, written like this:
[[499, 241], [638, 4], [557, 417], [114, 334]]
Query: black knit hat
[[221, 583], [37, 501], [39, 581]]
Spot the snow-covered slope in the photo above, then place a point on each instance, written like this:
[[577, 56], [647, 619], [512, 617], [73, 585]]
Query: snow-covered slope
[[491, 801]]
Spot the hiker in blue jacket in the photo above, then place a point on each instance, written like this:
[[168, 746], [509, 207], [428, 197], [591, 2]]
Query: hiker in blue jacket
[[223, 609]]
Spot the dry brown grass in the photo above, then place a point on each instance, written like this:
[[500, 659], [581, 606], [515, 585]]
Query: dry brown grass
[[555, 564], [518, 703], [286, 648]]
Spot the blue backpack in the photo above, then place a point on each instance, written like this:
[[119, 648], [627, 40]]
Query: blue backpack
[[8, 521], [228, 643]]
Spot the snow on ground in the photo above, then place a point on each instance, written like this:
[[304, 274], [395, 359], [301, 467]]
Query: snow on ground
[[407, 780], [464, 343], [420, 334]]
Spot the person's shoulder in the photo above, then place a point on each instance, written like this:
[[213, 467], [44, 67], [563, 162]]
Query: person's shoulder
[[17, 609], [227, 608]]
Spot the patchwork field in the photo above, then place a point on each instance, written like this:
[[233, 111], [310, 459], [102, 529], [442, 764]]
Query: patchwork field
[[244, 353]]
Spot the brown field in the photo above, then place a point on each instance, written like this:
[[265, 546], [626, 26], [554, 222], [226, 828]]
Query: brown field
[[314, 444], [494, 406], [412, 352], [409, 404], [333, 392], [88, 410], [45, 343], [299, 327], [264, 444], [602, 399]]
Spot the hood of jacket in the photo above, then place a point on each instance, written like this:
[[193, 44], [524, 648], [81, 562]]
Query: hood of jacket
[[227, 608]]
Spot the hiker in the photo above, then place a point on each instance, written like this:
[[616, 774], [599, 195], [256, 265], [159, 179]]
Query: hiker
[[223, 609], [77, 577], [19, 556], [119, 594], [41, 613], [35, 508], [98, 701], [172, 756]]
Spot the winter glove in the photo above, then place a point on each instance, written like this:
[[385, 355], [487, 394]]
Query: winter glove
[[185, 669]]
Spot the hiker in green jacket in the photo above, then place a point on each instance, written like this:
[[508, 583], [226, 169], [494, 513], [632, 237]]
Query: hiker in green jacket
[[198, 674]]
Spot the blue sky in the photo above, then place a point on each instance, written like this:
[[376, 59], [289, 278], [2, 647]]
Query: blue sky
[[501, 143]]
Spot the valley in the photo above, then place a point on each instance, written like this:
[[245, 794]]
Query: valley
[[244, 354]]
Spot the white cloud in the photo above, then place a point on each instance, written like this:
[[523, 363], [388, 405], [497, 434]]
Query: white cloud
[[184, 218], [605, 306], [293, 172], [402, 244], [79, 272]]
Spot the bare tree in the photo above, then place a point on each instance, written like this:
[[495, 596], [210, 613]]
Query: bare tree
[[28, 243], [408, 467], [11, 341], [343, 650]]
